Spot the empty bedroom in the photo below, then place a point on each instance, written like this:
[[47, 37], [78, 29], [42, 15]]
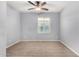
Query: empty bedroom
[[39, 28]]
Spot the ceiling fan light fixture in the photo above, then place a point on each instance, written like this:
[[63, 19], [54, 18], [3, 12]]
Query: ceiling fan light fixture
[[37, 8]]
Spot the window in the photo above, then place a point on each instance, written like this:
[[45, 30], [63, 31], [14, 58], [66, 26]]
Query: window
[[43, 25]]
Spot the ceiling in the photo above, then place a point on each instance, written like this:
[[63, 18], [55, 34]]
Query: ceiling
[[53, 6]]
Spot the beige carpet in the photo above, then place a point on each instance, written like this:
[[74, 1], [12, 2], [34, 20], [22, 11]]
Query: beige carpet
[[39, 49]]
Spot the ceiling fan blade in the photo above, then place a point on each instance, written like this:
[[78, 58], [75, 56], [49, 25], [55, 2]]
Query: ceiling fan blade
[[44, 9], [37, 3], [43, 3], [31, 8], [31, 3]]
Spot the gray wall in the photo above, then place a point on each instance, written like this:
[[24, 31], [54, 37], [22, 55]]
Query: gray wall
[[70, 26], [13, 26], [29, 27], [3, 18]]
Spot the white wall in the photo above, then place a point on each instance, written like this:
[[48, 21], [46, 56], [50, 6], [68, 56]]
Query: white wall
[[70, 26], [29, 27], [13, 25], [3, 19]]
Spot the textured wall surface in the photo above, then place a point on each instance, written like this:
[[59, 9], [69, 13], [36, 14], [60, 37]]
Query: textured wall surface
[[3, 18], [70, 25], [29, 27], [13, 25]]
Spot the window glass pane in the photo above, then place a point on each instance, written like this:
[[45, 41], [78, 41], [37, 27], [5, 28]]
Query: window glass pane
[[43, 25]]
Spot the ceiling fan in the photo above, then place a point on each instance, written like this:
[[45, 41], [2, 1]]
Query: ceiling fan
[[38, 5]]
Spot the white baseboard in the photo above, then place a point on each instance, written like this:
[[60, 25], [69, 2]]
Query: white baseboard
[[27, 40], [40, 40], [70, 48], [13, 44]]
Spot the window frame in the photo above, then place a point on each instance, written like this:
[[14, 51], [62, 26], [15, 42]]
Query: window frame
[[44, 20]]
